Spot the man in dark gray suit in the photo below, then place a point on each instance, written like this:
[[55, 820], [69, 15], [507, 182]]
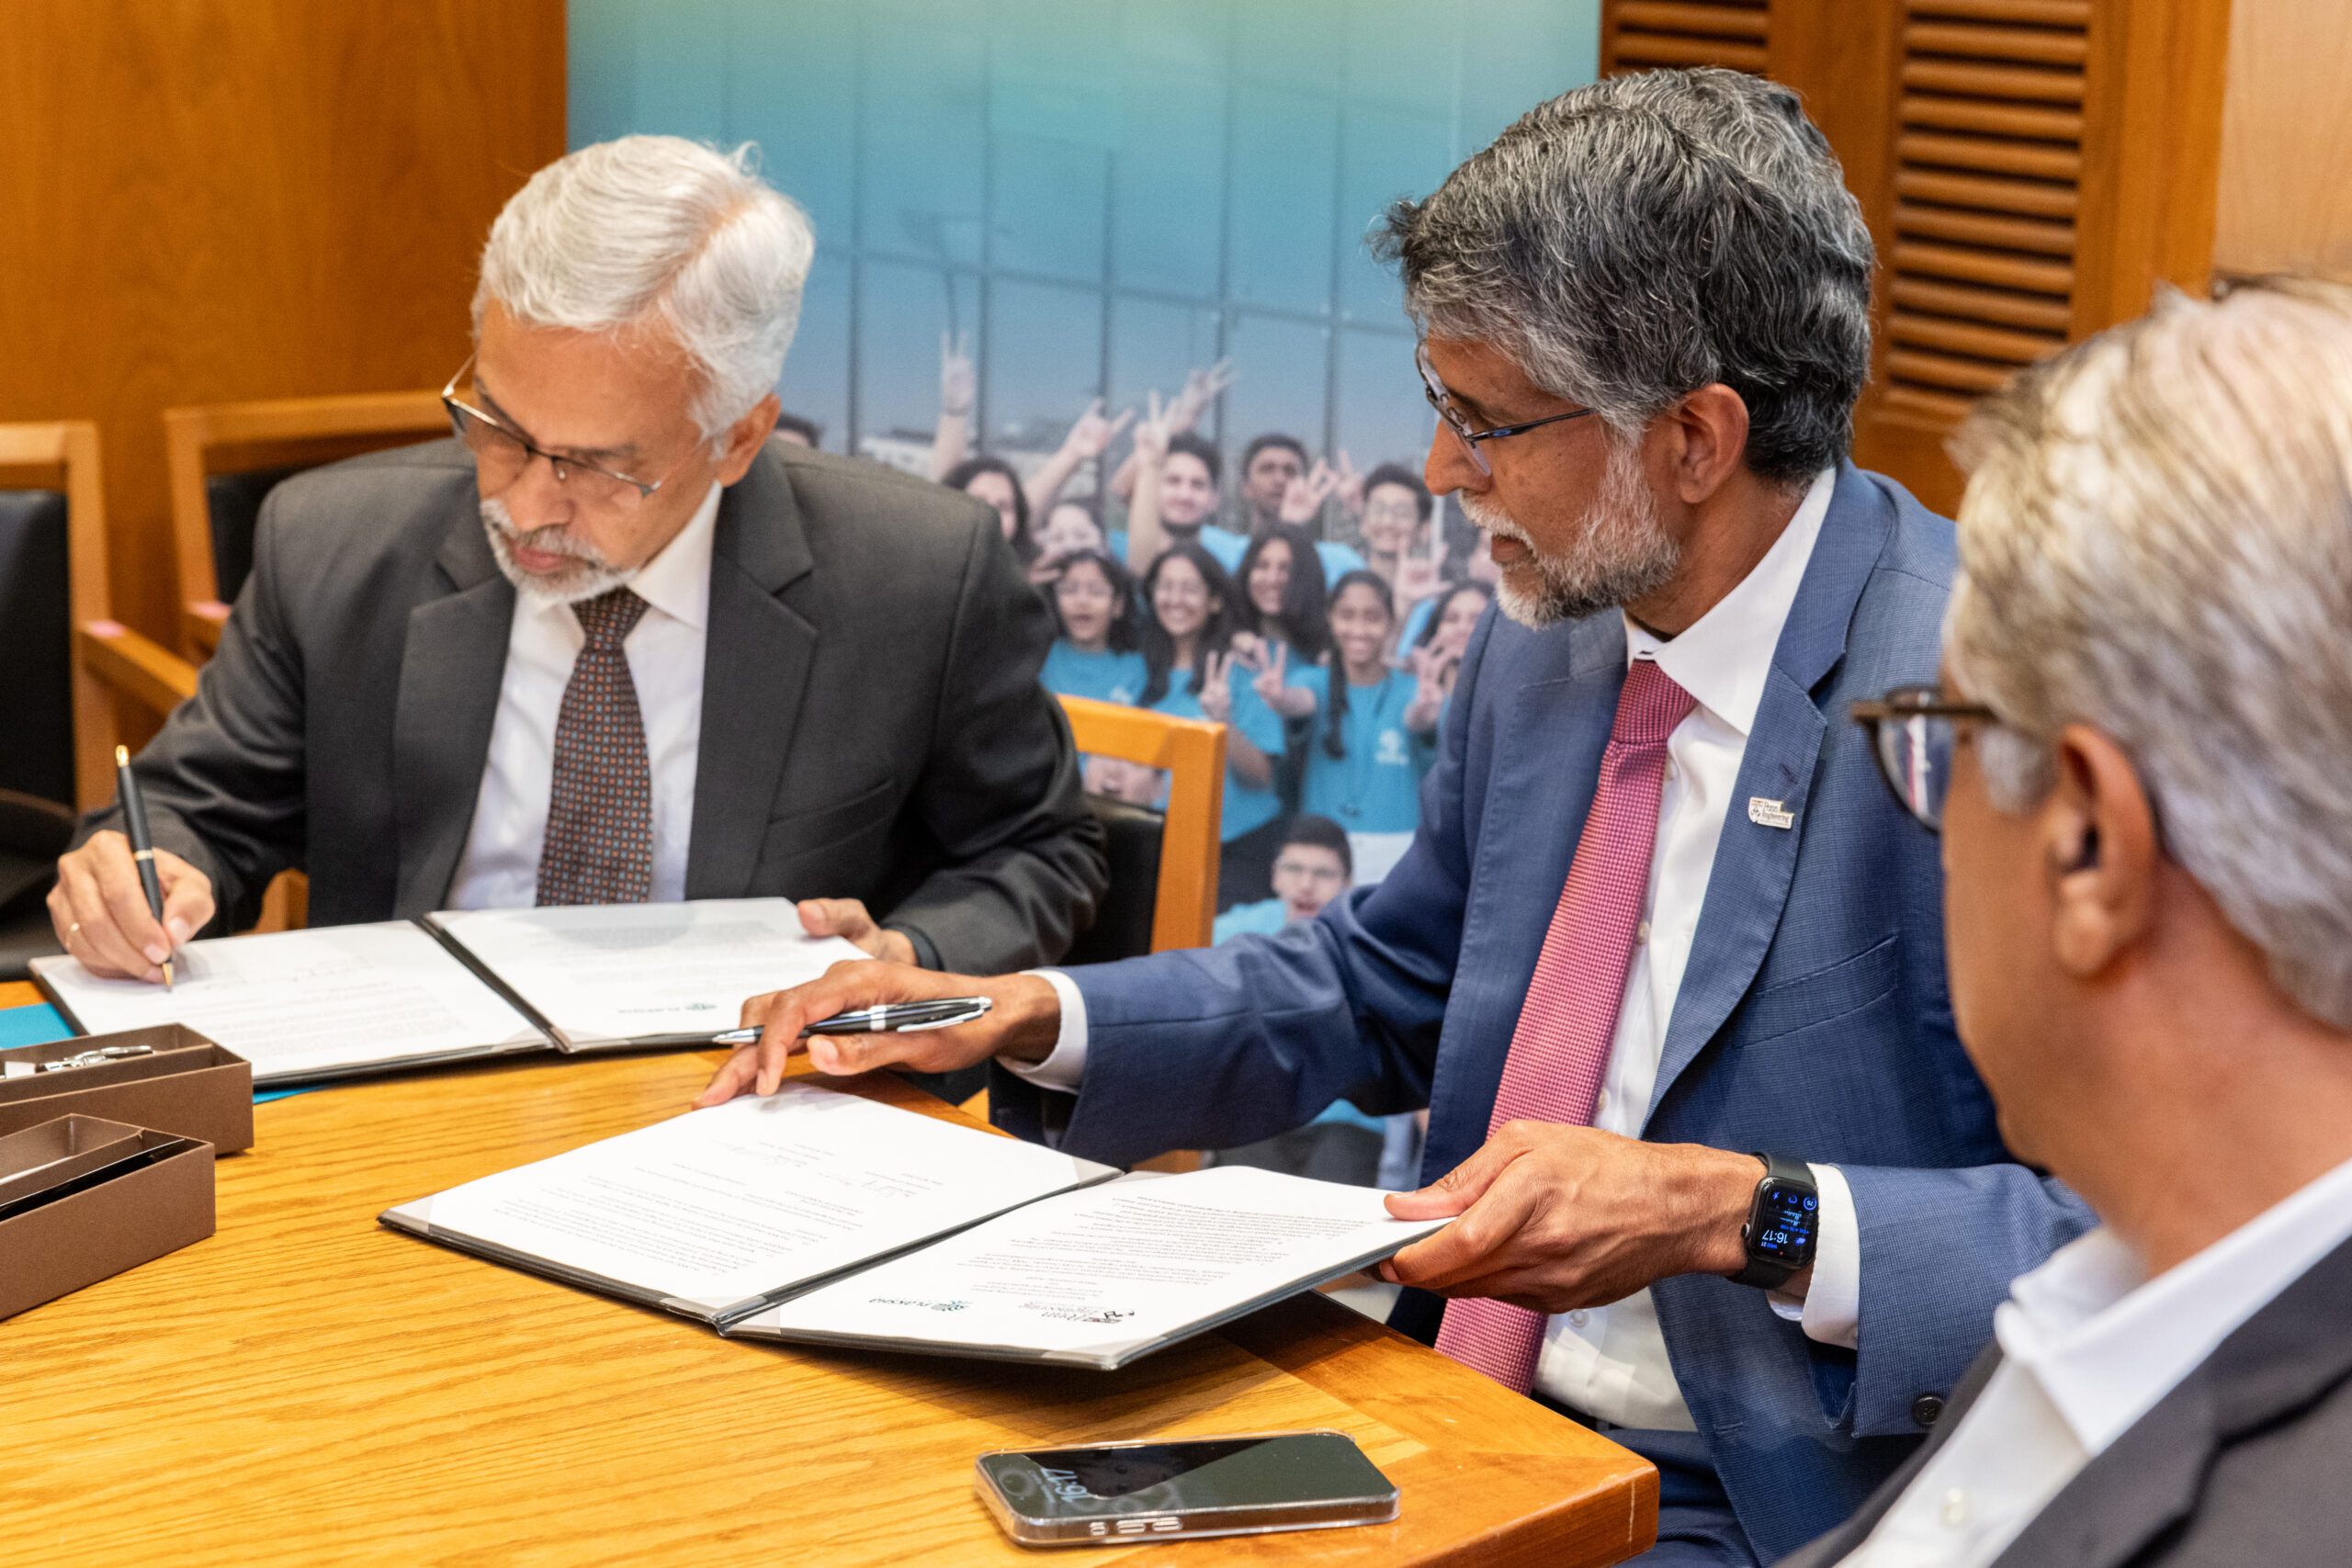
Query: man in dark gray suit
[[614, 644], [2138, 763]]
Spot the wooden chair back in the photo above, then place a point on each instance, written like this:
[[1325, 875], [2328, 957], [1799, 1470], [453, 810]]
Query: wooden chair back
[[1192, 752], [110, 662], [239, 439]]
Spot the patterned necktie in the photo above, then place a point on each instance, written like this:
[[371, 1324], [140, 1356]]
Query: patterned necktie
[[1560, 1050], [599, 847]]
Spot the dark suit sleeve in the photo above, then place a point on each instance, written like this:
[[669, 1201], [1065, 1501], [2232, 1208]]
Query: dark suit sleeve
[[224, 779], [1213, 1047], [1021, 859]]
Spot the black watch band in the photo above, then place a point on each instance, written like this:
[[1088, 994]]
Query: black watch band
[[1782, 1221]]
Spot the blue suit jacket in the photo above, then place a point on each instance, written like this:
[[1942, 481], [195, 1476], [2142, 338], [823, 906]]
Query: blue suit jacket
[[1813, 1019]]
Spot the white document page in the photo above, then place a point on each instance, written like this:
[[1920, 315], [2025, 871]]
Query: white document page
[[1098, 1276], [307, 1003], [716, 1207], [614, 974]]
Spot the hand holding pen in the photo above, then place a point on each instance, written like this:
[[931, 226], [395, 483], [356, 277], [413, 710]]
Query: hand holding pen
[[864, 1014], [102, 910]]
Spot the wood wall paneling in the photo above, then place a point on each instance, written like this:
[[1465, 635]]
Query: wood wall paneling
[[210, 200], [2285, 184]]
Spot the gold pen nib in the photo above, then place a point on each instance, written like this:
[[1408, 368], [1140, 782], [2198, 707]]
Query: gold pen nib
[[167, 974]]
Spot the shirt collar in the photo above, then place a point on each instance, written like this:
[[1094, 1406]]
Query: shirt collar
[[676, 581], [1724, 656], [2106, 1343]]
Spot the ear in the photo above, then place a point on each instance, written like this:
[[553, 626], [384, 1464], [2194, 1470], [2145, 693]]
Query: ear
[[2100, 849], [746, 436], [1709, 429]]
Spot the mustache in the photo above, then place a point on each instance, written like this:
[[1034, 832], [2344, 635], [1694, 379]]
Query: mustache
[[547, 539]]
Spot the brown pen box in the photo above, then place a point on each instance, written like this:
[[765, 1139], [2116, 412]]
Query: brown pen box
[[189, 1086], [94, 1234]]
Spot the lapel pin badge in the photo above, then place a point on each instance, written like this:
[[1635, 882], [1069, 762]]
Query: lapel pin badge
[[1769, 813]]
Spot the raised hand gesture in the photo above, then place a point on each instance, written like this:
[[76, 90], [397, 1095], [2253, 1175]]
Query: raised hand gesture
[[1202, 388], [1217, 687], [1350, 488], [1269, 683], [1421, 574], [1307, 494], [1430, 666], [958, 379], [1093, 432], [1153, 431]]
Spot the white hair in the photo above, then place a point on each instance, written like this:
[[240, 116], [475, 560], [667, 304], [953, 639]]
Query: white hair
[[658, 228], [2156, 541]]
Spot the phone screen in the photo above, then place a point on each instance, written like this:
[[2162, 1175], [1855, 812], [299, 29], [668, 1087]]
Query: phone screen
[[1288, 1469]]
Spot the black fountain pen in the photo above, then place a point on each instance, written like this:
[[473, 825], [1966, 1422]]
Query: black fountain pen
[[890, 1018], [143, 848]]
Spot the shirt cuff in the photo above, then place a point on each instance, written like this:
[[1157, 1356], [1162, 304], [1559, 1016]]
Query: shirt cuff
[[1832, 1308], [1067, 1065]]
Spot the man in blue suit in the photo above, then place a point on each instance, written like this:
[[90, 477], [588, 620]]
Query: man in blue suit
[[1661, 916]]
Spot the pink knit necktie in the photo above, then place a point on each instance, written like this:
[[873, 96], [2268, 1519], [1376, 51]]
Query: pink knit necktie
[[1559, 1053]]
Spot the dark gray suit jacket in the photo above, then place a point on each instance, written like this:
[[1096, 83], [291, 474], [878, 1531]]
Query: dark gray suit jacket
[[2246, 1462], [872, 724]]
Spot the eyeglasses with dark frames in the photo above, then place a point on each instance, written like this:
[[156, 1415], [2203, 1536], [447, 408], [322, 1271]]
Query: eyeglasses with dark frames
[[1912, 730], [503, 452], [1442, 400]]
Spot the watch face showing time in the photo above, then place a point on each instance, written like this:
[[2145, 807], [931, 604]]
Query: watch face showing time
[[1783, 1227]]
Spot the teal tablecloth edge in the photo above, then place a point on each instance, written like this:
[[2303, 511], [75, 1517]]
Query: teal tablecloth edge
[[40, 1023]]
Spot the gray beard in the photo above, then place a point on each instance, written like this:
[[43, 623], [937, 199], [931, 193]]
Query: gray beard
[[1618, 551], [587, 577]]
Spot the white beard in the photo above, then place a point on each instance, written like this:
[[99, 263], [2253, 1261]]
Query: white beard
[[588, 576], [1618, 550]]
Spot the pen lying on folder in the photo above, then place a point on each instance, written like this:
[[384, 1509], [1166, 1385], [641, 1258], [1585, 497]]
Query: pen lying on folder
[[890, 1018]]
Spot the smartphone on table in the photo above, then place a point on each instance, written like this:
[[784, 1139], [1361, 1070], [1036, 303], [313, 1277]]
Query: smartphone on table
[[1106, 1493]]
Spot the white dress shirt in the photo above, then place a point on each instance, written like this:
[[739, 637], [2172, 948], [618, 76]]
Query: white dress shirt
[[1611, 1361], [2090, 1345], [500, 869]]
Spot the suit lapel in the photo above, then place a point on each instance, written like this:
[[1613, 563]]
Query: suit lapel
[[452, 670], [757, 656], [1755, 863]]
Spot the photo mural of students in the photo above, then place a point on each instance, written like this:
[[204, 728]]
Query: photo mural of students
[[1099, 653], [1191, 673], [1374, 731]]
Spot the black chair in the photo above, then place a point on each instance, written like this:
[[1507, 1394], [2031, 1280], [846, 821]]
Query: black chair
[[33, 833]]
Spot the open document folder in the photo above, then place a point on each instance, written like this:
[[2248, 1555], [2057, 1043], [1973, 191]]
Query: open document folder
[[821, 1217], [336, 1001]]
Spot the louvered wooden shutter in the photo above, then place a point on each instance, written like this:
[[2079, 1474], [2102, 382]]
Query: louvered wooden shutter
[[2030, 169], [1988, 160], [1641, 34]]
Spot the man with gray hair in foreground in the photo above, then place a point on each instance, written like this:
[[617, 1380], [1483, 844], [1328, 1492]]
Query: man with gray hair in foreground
[[2140, 760], [1660, 916], [611, 643]]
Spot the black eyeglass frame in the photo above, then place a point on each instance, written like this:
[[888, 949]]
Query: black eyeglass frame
[[1899, 706], [461, 411], [1442, 400]]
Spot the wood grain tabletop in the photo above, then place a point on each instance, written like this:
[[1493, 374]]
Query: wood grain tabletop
[[306, 1387]]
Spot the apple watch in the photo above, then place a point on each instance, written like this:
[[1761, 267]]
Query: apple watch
[[1783, 1220]]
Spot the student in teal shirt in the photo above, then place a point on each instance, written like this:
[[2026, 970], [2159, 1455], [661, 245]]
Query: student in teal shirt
[[1282, 621], [1372, 743], [1099, 653], [1192, 672]]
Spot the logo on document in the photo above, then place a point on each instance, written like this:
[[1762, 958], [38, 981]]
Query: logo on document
[[1769, 813], [927, 1307]]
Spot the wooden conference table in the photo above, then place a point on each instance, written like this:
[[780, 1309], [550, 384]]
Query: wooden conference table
[[307, 1387]]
